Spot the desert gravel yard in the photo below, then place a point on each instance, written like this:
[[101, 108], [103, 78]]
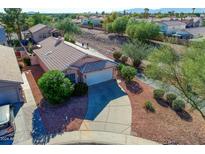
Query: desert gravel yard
[[165, 125]]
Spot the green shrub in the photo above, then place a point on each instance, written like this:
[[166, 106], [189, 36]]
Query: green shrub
[[69, 38], [55, 86], [158, 93], [170, 97], [80, 89], [128, 73], [120, 66], [27, 61], [117, 55], [178, 105], [124, 59], [149, 106]]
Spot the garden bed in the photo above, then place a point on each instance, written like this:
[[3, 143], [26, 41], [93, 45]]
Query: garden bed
[[165, 125]]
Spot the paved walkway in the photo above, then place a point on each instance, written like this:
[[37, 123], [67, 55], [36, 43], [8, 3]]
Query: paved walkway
[[23, 119], [96, 137]]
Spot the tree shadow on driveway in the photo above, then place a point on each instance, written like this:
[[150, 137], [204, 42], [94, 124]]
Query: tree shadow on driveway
[[100, 95], [49, 121]]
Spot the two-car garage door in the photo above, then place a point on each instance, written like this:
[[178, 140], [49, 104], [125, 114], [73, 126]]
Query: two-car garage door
[[99, 76]]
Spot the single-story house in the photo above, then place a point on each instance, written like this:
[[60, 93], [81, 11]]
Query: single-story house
[[197, 31], [96, 22], [10, 77], [40, 32], [3, 39], [77, 63], [172, 25]]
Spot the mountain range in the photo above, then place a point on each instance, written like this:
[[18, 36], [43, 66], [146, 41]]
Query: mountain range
[[166, 10]]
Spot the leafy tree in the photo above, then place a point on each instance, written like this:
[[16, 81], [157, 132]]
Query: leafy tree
[[14, 20], [185, 72], [119, 25], [109, 28], [143, 31], [137, 51], [146, 12], [128, 73], [109, 19], [38, 19], [67, 26], [55, 86]]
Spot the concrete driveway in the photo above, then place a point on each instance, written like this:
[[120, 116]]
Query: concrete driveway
[[109, 109]]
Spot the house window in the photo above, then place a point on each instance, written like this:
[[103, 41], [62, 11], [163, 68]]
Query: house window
[[71, 77]]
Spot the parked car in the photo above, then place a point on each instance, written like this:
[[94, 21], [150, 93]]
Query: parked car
[[7, 125]]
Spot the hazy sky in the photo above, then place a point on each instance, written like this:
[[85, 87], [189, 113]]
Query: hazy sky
[[67, 6]]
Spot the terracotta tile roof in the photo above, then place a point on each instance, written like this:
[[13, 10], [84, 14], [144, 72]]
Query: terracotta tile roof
[[55, 54], [9, 69]]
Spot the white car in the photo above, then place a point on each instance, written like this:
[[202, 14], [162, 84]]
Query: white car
[[7, 125]]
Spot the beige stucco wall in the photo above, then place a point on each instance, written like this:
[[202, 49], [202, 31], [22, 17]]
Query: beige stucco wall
[[43, 66]]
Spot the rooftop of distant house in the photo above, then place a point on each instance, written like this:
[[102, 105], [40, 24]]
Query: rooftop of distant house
[[37, 27]]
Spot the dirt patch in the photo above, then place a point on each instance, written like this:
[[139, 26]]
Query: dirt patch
[[101, 41], [165, 125], [65, 117]]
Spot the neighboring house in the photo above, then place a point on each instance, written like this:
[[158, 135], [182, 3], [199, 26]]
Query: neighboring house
[[96, 22], [197, 32], [78, 64], [10, 77], [3, 39], [40, 32], [172, 25]]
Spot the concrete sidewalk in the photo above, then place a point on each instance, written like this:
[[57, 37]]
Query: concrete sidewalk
[[96, 137], [23, 119]]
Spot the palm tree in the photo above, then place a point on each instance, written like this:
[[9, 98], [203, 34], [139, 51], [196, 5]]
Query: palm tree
[[14, 19], [193, 10], [146, 12]]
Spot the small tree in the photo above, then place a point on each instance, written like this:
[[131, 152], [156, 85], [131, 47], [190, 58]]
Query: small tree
[[137, 51], [55, 86], [120, 24], [128, 73], [109, 28], [143, 31]]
